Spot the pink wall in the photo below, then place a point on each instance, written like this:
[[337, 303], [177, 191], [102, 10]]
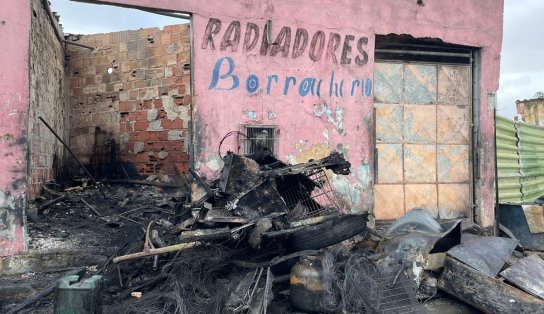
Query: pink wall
[[311, 125], [14, 97]]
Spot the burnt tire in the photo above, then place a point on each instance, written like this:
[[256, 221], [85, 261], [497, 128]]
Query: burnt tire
[[327, 233]]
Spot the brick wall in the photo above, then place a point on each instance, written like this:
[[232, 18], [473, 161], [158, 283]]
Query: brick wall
[[143, 104], [47, 100]]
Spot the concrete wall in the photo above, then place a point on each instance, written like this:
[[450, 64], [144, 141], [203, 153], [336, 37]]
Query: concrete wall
[[531, 110], [14, 100], [143, 104], [228, 61], [47, 100]]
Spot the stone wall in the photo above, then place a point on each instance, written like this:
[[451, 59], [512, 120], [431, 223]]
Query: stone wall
[[47, 100], [132, 90]]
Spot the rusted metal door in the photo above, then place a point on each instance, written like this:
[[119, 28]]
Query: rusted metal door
[[423, 139]]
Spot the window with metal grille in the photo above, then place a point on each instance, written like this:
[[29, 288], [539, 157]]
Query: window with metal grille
[[259, 138]]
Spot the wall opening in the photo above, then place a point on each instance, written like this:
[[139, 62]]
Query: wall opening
[[130, 93]]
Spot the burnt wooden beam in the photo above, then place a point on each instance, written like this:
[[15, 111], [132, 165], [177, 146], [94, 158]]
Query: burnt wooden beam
[[484, 292]]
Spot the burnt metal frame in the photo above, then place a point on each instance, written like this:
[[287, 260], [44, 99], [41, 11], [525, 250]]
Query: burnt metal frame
[[321, 200]]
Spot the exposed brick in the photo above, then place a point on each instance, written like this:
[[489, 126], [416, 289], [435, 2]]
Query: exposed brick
[[141, 126], [147, 64], [125, 106]]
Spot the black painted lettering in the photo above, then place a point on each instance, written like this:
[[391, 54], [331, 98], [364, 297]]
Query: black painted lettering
[[251, 36], [334, 43], [346, 49], [228, 40], [317, 45], [301, 41], [363, 41], [282, 43], [264, 42], [213, 27]]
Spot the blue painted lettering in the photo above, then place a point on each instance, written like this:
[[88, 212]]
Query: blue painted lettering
[[368, 87], [306, 86], [355, 82], [216, 77], [269, 84], [288, 79], [252, 84]]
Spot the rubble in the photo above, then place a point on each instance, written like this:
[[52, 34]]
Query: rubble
[[271, 237]]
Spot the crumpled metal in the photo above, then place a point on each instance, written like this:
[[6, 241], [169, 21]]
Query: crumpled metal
[[417, 234]]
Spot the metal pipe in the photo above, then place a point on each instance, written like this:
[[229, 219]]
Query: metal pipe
[[496, 229], [167, 13], [77, 44], [72, 154]]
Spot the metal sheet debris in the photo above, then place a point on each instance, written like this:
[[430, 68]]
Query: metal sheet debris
[[535, 217], [512, 217], [485, 254], [527, 274], [416, 234]]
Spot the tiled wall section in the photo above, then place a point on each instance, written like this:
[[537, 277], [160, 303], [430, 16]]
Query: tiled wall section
[[47, 100], [422, 140], [135, 89]]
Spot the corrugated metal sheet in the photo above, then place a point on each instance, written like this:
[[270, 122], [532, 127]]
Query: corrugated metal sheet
[[531, 151], [520, 161], [508, 162]]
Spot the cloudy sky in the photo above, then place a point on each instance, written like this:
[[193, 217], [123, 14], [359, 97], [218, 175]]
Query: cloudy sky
[[522, 61]]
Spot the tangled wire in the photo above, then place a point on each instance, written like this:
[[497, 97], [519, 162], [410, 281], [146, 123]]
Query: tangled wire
[[344, 275], [192, 282]]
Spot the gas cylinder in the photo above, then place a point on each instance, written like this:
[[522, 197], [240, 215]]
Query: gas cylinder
[[307, 285]]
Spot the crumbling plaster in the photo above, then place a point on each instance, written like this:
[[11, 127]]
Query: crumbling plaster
[[476, 23]]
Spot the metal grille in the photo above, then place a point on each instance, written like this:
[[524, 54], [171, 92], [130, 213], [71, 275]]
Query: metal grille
[[259, 138], [308, 196], [398, 292]]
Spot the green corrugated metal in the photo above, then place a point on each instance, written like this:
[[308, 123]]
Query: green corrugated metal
[[531, 152], [508, 162]]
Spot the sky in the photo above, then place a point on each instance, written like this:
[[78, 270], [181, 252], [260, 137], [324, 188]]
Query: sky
[[522, 60]]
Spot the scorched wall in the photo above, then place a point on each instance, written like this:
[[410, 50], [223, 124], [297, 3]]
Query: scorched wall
[[134, 89], [292, 77], [309, 71]]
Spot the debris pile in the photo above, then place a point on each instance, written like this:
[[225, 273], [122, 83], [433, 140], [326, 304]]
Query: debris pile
[[248, 228], [271, 237]]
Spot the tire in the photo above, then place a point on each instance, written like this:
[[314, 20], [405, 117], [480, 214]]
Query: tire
[[325, 234]]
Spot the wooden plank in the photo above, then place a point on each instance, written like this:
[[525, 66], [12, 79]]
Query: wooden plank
[[484, 292]]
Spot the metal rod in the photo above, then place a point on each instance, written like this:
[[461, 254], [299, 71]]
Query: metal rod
[[77, 44], [496, 226], [425, 53], [72, 154], [90, 207], [167, 13]]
